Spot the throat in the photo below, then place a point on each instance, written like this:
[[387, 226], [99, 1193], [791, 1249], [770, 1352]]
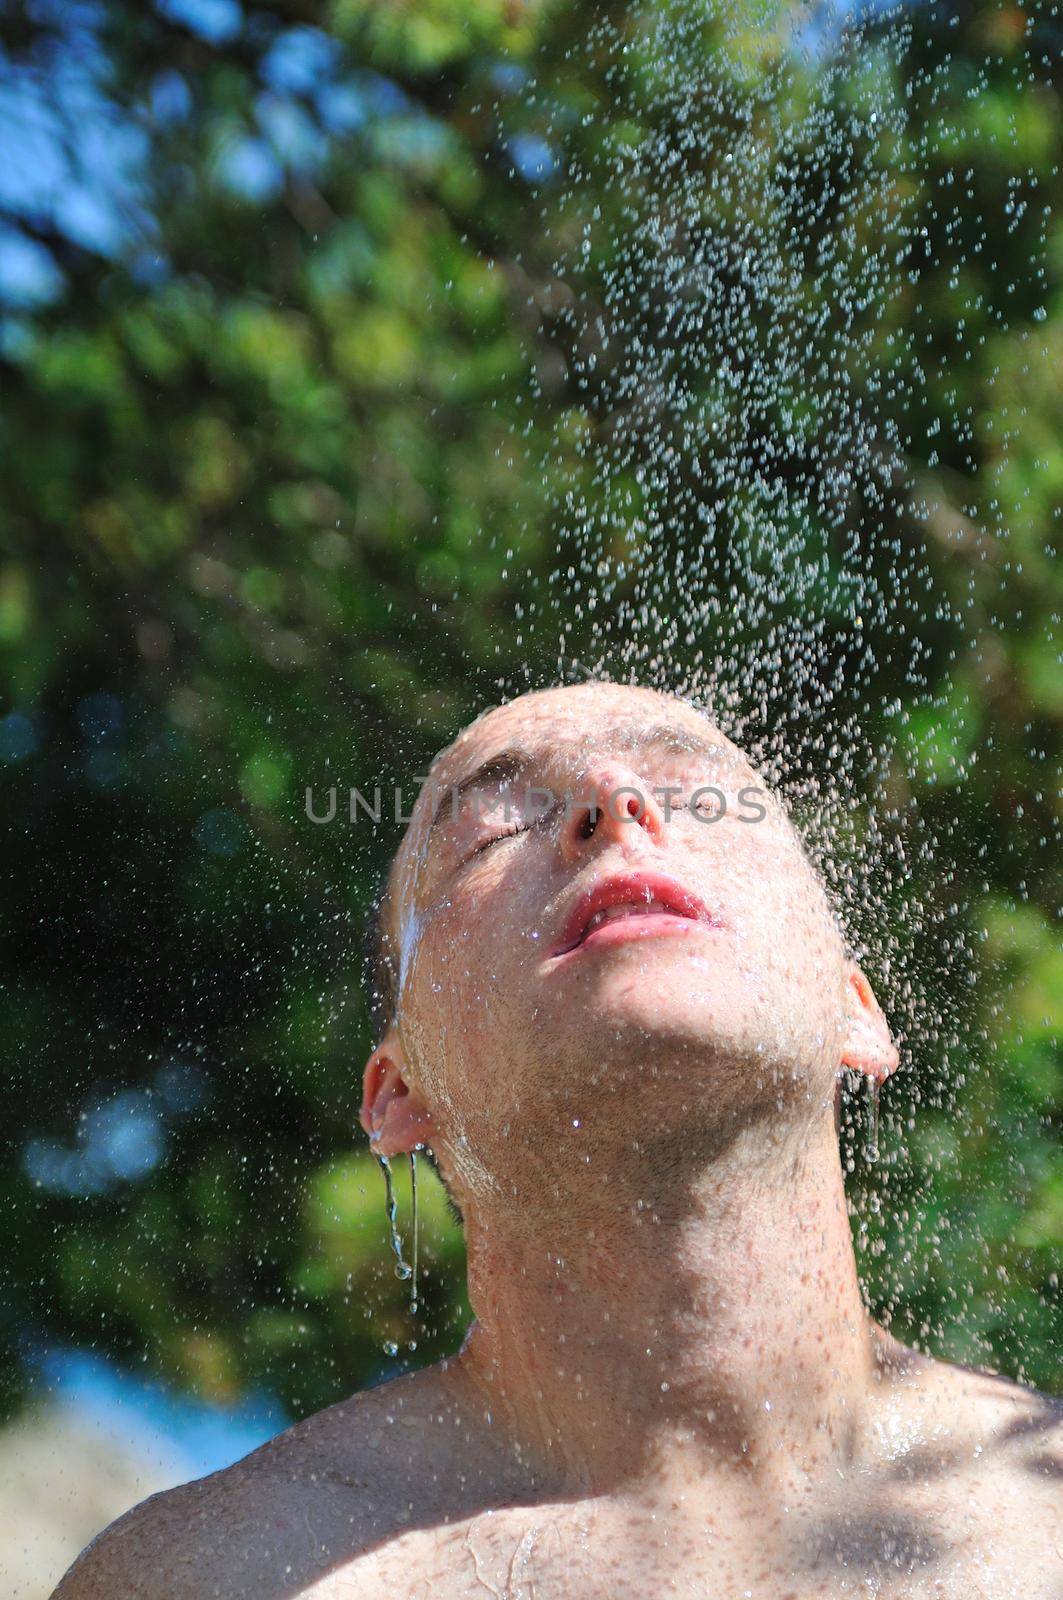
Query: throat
[[729, 1328]]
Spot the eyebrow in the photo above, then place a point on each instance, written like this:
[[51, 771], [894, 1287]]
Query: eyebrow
[[506, 765], [503, 767]]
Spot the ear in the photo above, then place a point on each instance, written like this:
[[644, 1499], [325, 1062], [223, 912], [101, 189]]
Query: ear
[[868, 1046], [394, 1116]]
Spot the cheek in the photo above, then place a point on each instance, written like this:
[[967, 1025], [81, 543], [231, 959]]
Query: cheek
[[813, 959], [793, 929], [485, 937], [458, 998]]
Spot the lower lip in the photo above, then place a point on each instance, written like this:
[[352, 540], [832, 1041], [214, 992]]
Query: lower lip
[[618, 930]]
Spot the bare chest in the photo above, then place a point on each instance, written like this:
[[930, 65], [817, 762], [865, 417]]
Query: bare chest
[[604, 1551]]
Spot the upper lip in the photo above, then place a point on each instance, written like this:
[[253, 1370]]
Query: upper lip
[[628, 888]]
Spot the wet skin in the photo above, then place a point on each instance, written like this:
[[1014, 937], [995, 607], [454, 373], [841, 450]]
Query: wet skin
[[671, 1383]]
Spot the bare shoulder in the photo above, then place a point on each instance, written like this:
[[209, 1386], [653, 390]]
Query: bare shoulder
[[977, 1461], [1022, 1425], [307, 1504], [1010, 1421], [988, 1454]]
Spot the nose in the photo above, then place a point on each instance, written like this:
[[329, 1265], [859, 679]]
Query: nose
[[610, 804]]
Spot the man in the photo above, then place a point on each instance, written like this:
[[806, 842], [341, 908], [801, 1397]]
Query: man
[[620, 1008]]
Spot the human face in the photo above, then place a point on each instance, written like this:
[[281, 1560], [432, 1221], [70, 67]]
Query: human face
[[520, 1015]]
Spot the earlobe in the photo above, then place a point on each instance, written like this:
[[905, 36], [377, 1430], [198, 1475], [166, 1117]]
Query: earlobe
[[868, 1046], [393, 1115]]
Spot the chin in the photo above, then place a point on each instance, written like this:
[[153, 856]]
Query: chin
[[638, 1031], [695, 1001], [664, 1030]]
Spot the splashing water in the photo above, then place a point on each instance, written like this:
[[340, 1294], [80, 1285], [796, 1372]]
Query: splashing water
[[735, 286], [743, 510]]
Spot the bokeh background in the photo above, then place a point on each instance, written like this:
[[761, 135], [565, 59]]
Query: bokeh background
[[283, 350]]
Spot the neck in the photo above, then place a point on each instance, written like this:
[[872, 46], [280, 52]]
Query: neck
[[707, 1319]]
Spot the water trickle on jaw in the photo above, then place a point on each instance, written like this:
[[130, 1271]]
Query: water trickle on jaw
[[409, 937]]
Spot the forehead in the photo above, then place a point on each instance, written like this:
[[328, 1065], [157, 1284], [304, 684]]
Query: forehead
[[578, 715], [581, 716]]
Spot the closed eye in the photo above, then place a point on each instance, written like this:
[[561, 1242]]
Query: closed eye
[[520, 827], [494, 839], [714, 796]]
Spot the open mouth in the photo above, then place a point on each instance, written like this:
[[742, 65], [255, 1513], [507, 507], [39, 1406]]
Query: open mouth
[[632, 905]]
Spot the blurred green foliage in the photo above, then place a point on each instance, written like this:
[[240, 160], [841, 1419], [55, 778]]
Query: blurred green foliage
[[271, 513]]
